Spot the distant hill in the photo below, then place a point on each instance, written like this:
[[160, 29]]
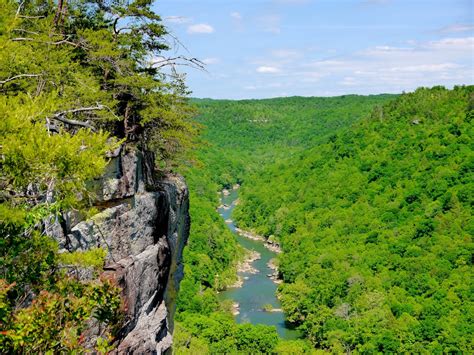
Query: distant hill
[[242, 135]]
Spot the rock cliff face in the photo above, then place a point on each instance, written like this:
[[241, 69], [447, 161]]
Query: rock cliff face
[[144, 224]]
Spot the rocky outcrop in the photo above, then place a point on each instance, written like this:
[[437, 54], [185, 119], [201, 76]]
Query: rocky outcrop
[[144, 225]]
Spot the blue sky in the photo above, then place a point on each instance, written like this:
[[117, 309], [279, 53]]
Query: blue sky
[[260, 49]]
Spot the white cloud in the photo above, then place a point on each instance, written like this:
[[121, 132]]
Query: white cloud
[[264, 85], [348, 81], [180, 20], [210, 61], [447, 61], [236, 15], [288, 54], [392, 69], [268, 69], [456, 28], [200, 28], [426, 67], [270, 23], [465, 44]]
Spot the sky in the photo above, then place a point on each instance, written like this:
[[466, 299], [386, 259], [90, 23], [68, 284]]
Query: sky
[[274, 48]]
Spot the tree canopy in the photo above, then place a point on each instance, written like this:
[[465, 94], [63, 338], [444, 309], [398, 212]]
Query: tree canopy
[[376, 228]]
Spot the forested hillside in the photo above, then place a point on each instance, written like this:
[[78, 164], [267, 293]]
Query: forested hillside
[[239, 137], [243, 135], [376, 227]]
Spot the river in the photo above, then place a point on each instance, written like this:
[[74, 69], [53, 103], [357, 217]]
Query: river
[[258, 290]]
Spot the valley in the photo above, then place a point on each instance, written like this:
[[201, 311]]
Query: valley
[[355, 210]]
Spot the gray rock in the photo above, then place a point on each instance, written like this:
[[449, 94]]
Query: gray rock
[[125, 229], [144, 225], [123, 176]]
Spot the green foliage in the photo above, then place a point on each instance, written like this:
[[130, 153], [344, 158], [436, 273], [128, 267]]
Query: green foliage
[[55, 320], [75, 83], [212, 251], [185, 343], [91, 66], [237, 138], [94, 257], [218, 333], [244, 135], [293, 347], [376, 228]]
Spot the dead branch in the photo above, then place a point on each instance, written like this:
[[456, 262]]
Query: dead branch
[[25, 31], [181, 61], [60, 116], [22, 39], [177, 42], [28, 39], [18, 77], [31, 17], [19, 8]]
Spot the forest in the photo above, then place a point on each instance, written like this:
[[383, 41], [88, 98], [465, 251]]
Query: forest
[[238, 138], [369, 197], [376, 227]]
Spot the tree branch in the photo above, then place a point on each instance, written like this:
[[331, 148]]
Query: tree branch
[[28, 39], [25, 31], [19, 8], [60, 116], [73, 122], [18, 77], [190, 62]]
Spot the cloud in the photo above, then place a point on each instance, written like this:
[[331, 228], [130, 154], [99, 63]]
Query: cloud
[[210, 61], [200, 28], [270, 23], [236, 15], [268, 69], [180, 20], [264, 85], [447, 61], [288, 54], [425, 67], [456, 28], [465, 44]]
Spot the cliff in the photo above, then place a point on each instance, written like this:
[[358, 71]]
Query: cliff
[[143, 222]]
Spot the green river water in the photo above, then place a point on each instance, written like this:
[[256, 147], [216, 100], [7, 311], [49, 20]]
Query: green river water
[[258, 289]]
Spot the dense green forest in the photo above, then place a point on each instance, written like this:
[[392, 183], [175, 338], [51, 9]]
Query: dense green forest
[[376, 227], [241, 136], [238, 138]]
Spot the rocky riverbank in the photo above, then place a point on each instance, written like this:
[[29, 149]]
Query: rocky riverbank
[[274, 276], [272, 246], [245, 266]]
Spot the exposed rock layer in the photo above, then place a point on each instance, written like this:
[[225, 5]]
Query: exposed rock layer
[[144, 225]]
